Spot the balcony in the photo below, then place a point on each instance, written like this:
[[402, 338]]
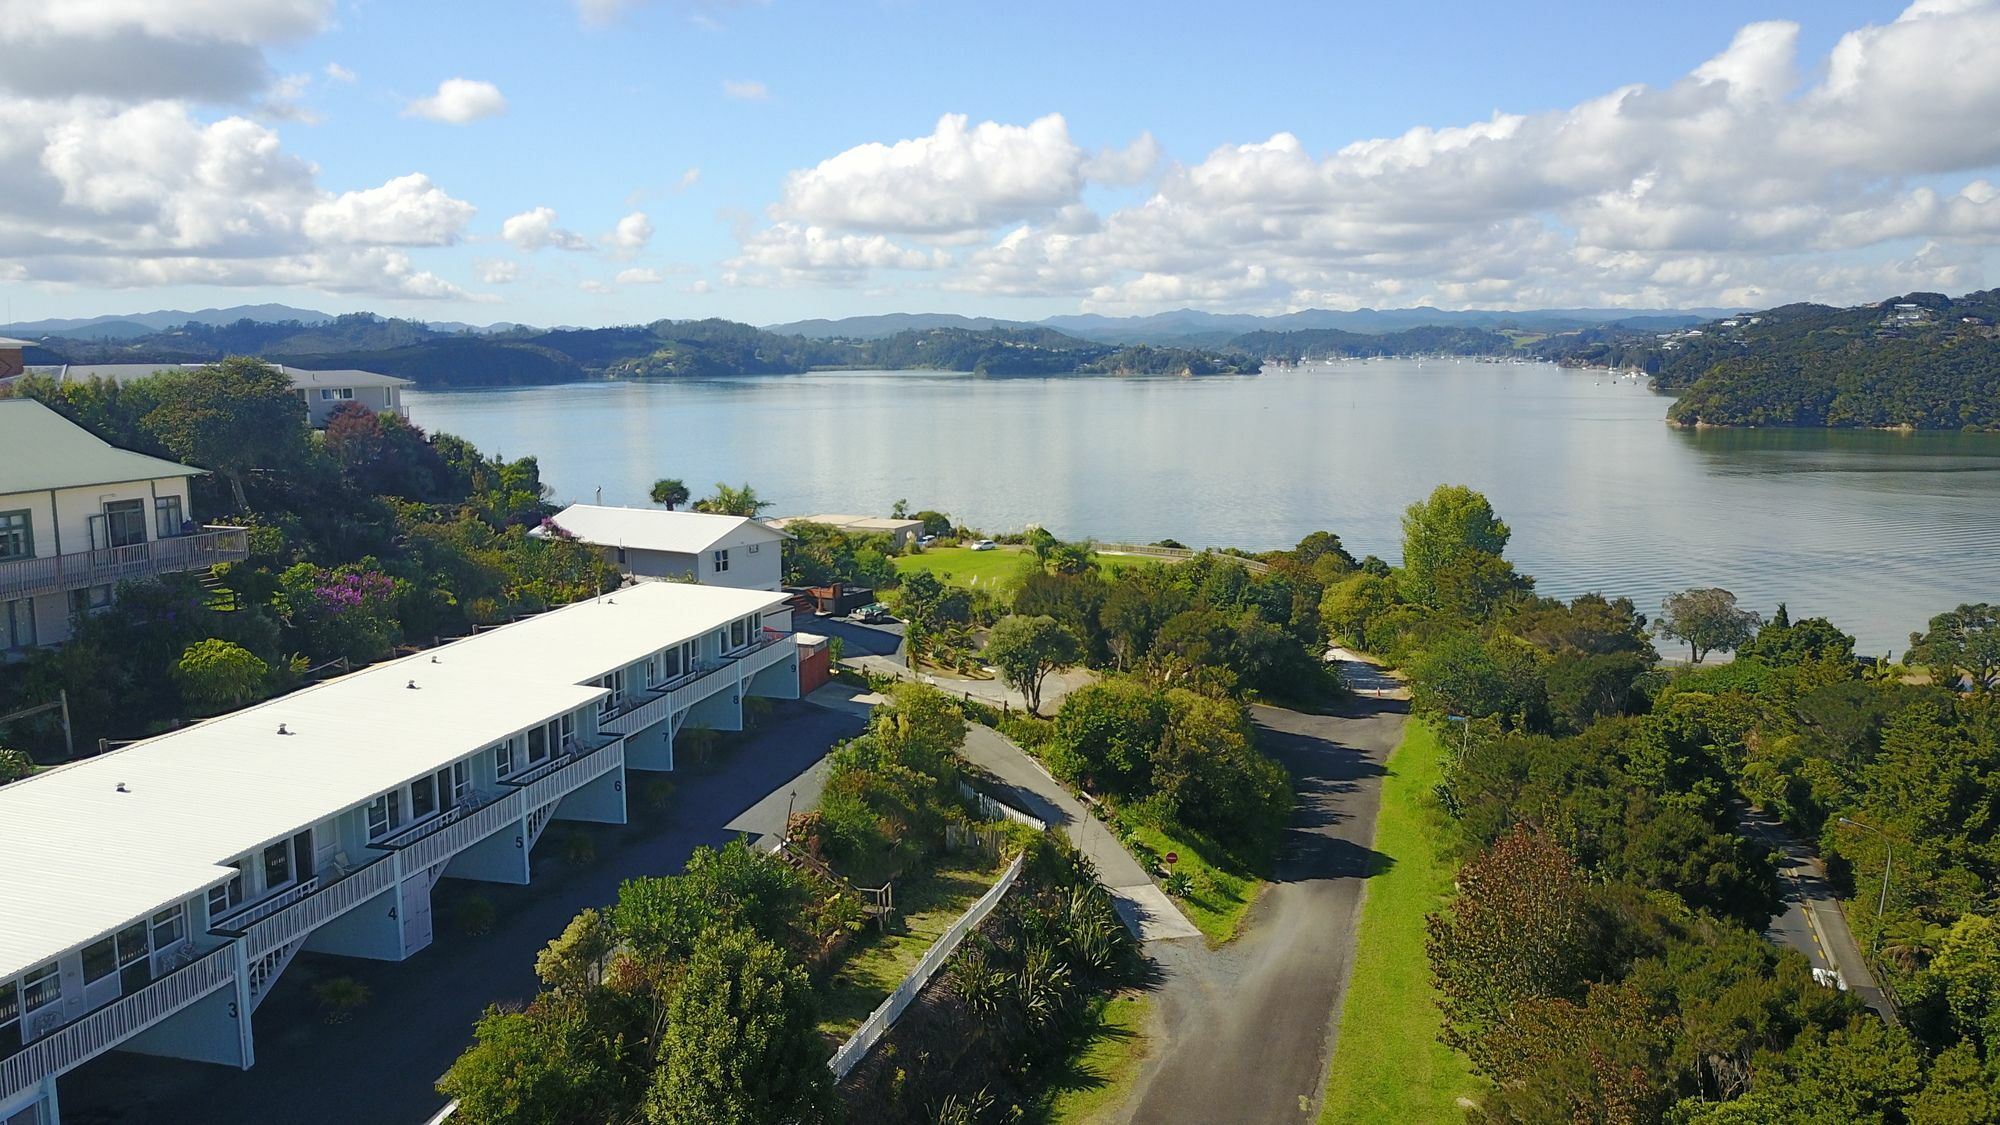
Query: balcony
[[95, 1032], [736, 666], [56, 574]]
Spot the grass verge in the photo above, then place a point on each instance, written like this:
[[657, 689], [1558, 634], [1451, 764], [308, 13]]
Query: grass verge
[[959, 566], [1221, 897], [926, 906], [1388, 1066], [1103, 1065]]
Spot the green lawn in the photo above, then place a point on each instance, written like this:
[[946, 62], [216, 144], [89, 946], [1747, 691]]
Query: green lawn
[[1099, 1075], [959, 566], [1388, 1066], [1221, 896], [926, 906]]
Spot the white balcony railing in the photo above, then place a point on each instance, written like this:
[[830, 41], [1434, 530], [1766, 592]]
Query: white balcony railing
[[54, 574], [682, 692], [85, 1038], [329, 901], [256, 911]]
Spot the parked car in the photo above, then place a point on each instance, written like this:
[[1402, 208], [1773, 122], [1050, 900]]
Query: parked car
[[874, 613], [983, 545], [927, 540]]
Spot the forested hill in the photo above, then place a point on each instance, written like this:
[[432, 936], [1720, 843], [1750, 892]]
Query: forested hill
[[663, 349], [1336, 343], [1924, 361]]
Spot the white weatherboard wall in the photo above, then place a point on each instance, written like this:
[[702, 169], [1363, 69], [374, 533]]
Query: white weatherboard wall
[[655, 543], [343, 801]]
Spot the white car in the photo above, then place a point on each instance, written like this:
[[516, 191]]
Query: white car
[[982, 545]]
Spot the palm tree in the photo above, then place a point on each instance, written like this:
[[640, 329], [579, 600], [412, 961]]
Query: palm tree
[[669, 491], [729, 501]]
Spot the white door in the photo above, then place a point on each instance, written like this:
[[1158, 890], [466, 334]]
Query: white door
[[416, 913]]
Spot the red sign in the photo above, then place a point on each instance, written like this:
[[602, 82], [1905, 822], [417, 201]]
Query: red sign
[[1172, 858]]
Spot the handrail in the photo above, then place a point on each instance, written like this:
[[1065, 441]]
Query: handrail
[[243, 919], [54, 574], [95, 1032], [314, 910]]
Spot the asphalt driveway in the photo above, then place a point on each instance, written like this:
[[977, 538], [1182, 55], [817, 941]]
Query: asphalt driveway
[[1243, 1033], [380, 1066]]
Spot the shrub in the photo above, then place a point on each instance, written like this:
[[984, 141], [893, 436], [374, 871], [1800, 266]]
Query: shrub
[[14, 765], [1180, 884], [657, 792], [215, 674], [340, 997], [475, 915], [578, 850]]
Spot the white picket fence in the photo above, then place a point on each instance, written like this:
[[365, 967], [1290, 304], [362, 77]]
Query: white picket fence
[[884, 1017]]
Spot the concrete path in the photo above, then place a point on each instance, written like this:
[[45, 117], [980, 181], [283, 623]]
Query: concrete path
[[1243, 1033], [380, 1066], [1367, 678], [1812, 921]]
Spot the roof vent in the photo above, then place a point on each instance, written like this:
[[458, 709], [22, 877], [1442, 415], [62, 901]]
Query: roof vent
[[122, 789], [412, 685], [282, 730], [434, 660]]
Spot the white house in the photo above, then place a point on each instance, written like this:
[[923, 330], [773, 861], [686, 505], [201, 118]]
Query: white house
[[322, 391], [655, 543], [79, 515], [152, 896]]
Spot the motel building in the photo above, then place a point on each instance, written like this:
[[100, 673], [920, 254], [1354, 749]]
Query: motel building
[[138, 914]]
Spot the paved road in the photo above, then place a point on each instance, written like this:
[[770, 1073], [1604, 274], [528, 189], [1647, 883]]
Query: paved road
[[1243, 1033], [1812, 921], [1024, 784], [380, 1066]]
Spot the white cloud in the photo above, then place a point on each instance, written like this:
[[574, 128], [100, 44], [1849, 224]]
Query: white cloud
[[535, 229], [746, 91], [407, 211], [633, 232], [135, 49], [459, 101], [1733, 181], [689, 178], [497, 271], [959, 178], [637, 276], [337, 73], [591, 285]]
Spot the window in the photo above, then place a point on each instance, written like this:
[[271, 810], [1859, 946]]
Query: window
[[566, 725], [423, 798], [277, 866], [336, 394], [671, 663], [738, 634], [503, 758], [621, 555], [538, 743], [169, 927], [135, 958], [89, 600], [100, 960], [17, 535], [385, 813], [126, 950], [721, 561], [753, 547], [167, 517], [125, 522], [10, 1015], [652, 671], [461, 782], [17, 623], [41, 987], [227, 897]]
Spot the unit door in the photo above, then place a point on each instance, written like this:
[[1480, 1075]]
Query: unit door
[[416, 914]]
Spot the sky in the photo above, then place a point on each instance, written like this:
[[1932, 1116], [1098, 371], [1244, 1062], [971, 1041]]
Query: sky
[[619, 161]]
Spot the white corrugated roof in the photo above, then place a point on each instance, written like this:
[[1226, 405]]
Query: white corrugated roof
[[78, 858], [656, 529], [41, 449]]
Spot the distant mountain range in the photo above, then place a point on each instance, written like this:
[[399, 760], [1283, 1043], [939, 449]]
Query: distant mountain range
[[1194, 328], [133, 325]]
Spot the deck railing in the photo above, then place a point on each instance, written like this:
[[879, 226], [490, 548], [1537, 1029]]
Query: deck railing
[[85, 1038], [689, 689], [54, 574], [315, 910]]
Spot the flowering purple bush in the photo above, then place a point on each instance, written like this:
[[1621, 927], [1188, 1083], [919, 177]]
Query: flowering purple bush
[[346, 590]]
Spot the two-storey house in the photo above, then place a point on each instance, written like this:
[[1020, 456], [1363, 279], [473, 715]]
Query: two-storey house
[[79, 515], [656, 543]]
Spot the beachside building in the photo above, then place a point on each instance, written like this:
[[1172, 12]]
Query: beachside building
[[656, 543], [79, 515], [900, 531], [12, 352], [151, 897], [322, 391]]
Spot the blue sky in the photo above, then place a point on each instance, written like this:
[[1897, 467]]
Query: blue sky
[[1194, 157]]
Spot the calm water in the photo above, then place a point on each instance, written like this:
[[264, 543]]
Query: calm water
[[1877, 531]]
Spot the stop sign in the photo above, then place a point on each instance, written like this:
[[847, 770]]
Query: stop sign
[[1172, 858]]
